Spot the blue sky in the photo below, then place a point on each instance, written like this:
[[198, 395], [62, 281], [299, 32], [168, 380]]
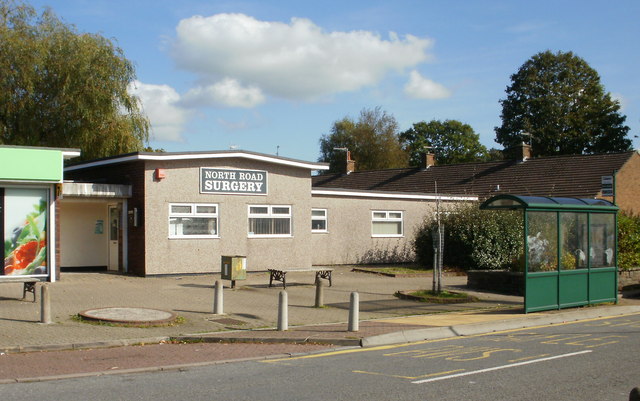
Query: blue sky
[[269, 75]]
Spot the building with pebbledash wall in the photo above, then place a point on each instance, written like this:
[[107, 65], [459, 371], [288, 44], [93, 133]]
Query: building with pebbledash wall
[[176, 213]]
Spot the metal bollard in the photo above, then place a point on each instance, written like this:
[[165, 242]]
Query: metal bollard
[[283, 318], [319, 293], [218, 300], [354, 312], [45, 304]]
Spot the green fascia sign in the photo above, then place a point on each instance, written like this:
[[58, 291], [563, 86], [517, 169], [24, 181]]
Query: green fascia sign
[[30, 164]]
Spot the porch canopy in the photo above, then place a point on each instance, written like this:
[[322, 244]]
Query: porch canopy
[[570, 249]]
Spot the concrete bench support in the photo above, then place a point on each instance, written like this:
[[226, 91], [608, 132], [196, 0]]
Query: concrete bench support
[[28, 284], [281, 275]]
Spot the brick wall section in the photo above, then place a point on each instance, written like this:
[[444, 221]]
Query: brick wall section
[[124, 174], [500, 281], [628, 278], [628, 185]]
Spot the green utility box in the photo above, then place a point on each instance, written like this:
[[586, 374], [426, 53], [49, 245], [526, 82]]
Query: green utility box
[[234, 268]]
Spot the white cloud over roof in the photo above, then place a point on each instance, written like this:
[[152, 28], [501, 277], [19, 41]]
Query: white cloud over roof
[[228, 92], [420, 87], [161, 104], [239, 59]]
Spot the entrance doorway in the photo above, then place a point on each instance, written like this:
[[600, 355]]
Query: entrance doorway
[[114, 238]]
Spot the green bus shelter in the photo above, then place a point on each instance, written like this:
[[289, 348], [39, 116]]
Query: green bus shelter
[[570, 250]]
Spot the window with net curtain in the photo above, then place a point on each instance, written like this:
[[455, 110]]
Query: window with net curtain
[[193, 220], [270, 220], [386, 223]]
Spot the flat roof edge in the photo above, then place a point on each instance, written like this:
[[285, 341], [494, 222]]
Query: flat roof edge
[[67, 153], [203, 155]]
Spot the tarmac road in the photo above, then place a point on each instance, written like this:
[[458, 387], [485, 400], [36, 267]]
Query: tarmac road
[[53, 349], [587, 360]]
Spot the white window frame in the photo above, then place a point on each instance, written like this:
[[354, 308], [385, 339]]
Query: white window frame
[[269, 215], [387, 218], [194, 213], [321, 218]]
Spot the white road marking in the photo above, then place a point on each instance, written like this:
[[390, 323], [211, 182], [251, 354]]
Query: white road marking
[[512, 365]]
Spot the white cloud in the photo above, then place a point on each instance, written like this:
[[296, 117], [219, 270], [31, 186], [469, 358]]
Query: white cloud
[[297, 60], [161, 103], [228, 92], [420, 87]]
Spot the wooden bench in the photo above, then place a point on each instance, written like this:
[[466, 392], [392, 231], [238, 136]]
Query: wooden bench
[[281, 274], [29, 284]]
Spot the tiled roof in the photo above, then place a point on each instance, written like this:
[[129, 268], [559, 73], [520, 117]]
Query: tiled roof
[[574, 176]]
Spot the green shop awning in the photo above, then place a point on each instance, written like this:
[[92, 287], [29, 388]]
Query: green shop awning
[[511, 202], [33, 164]]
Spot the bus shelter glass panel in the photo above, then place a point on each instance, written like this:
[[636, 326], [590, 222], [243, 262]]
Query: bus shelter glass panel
[[602, 233], [574, 237], [542, 241]]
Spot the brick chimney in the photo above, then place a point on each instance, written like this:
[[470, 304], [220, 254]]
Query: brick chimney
[[520, 152], [526, 151], [427, 160], [351, 164]]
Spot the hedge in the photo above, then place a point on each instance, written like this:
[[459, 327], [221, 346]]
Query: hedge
[[474, 238], [628, 241], [491, 240]]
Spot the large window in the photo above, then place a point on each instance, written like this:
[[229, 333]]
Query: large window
[[193, 220], [319, 220], [386, 224], [269, 221]]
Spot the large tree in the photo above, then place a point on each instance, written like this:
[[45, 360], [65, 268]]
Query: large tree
[[452, 142], [372, 141], [62, 88], [557, 102]]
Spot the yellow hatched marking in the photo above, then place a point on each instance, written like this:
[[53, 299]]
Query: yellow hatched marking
[[630, 323], [520, 337], [433, 351], [586, 342], [409, 377], [454, 353], [483, 355], [563, 338], [411, 344]]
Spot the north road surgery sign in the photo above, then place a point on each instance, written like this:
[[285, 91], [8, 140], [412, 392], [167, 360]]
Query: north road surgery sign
[[236, 182]]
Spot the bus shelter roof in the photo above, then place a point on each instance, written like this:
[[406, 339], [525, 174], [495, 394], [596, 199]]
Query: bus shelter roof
[[512, 202]]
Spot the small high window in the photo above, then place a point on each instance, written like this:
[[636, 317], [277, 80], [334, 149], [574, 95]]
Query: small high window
[[319, 220]]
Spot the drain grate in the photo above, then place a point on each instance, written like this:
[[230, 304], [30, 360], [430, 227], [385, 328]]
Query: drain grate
[[229, 322]]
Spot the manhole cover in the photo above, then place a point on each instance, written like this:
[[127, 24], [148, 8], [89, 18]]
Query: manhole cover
[[136, 316], [228, 321]]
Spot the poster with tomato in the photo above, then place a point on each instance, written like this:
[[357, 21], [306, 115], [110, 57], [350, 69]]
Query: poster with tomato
[[25, 234]]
